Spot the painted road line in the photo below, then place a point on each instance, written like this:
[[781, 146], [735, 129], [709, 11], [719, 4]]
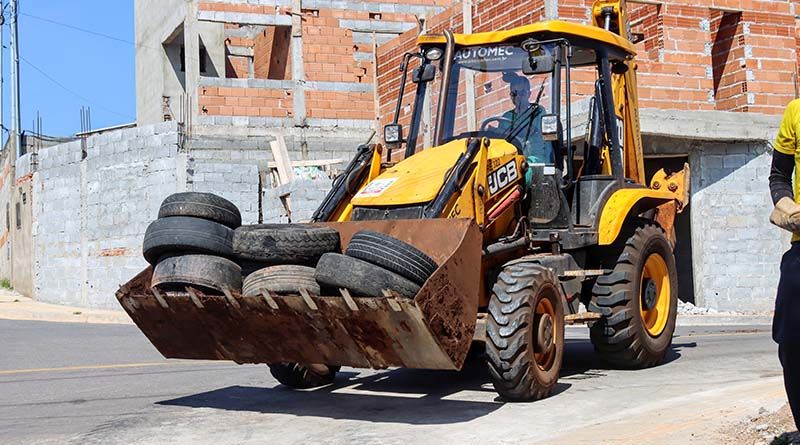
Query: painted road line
[[114, 366]]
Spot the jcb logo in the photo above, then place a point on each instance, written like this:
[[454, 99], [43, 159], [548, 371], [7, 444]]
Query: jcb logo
[[502, 177]]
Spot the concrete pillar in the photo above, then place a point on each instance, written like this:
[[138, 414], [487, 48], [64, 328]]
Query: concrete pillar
[[298, 66], [550, 9], [191, 44]]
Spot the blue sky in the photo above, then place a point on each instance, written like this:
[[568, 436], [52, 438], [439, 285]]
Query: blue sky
[[100, 70]]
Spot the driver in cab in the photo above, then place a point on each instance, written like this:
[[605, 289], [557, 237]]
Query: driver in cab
[[524, 121]]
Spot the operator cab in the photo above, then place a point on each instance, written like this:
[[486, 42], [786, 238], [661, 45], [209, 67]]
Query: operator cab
[[515, 85], [524, 86]]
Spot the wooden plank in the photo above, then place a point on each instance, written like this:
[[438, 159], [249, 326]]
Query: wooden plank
[[282, 161], [309, 163]]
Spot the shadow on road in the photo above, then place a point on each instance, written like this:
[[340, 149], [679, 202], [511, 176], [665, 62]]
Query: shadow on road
[[411, 396]]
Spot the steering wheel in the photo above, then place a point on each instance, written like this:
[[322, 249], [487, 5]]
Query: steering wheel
[[499, 120]]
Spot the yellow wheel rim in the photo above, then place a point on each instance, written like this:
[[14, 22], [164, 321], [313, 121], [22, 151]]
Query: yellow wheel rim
[[654, 301]]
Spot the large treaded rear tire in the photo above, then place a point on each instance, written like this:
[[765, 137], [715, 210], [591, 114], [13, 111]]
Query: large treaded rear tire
[[392, 254], [521, 370], [621, 337], [276, 244], [362, 278], [201, 205], [299, 376]]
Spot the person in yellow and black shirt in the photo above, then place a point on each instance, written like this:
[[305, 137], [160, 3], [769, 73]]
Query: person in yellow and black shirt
[[786, 215]]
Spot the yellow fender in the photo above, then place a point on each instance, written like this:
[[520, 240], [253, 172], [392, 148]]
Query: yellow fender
[[664, 189]]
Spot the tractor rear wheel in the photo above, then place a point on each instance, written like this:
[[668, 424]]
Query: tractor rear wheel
[[525, 333], [638, 300], [299, 376]]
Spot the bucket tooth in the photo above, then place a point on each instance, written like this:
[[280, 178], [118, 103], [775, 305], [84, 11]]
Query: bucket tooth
[[268, 298], [194, 298], [348, 299], [307, 298], [160, 298]]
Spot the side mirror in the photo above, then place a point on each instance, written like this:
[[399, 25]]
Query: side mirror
[[424, 73], [551, 127], [393, 134], [538, 65]]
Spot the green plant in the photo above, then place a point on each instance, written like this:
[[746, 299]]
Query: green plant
[[5, 283]]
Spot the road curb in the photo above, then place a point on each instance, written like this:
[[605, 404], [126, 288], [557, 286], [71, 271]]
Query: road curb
[[724, 320], [22, 308]]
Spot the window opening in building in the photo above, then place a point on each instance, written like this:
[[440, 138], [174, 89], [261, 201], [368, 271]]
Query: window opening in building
[[730, 81], [647, 29], [18, 208]]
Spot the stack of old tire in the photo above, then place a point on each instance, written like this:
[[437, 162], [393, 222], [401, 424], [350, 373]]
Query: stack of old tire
[[191, 244], [198, 242], [375, 262]]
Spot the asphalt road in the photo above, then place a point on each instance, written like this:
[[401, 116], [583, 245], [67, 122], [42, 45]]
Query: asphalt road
[[105, 384]]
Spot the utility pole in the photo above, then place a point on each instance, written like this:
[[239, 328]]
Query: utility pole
[[2, 78], [16, 131]]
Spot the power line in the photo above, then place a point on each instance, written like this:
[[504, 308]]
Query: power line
[[62, 86], [77, 28], [100, 34]]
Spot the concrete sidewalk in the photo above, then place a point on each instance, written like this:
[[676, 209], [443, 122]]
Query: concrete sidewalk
[[14, 306]]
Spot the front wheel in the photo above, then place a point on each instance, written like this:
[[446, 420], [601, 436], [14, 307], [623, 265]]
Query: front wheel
[[299, 376], [639, 302], [525, 333]]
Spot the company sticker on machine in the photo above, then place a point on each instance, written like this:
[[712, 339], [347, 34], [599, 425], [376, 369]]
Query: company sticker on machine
[[482, 58], [502, 177], [376, 188]]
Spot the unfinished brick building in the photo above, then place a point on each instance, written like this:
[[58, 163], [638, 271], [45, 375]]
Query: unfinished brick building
[[287, 62]]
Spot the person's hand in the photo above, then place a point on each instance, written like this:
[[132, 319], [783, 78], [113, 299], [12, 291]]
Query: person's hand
[[786, 215]]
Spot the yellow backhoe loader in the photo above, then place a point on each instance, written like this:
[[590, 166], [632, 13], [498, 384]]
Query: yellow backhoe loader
[[523, 180]]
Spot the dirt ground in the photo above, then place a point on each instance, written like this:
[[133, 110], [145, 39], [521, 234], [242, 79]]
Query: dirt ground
[[766, 428]]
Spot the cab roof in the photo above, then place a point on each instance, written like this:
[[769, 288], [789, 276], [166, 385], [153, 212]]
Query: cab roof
[[547, 29]]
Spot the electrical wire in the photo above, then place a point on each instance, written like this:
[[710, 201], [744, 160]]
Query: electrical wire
[[77, 28], [99, 34], [65, 88]]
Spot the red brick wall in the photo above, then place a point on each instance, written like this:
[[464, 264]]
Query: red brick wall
[[329, 55], [683, 62], [254, 102]]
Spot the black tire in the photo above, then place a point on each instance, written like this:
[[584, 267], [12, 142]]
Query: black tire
[[276, 244], [201, 205], [204, 272], [621, 337], [392, 254], [280, 279], [523, 367], [362, 278], [180, 235], [299, 376]]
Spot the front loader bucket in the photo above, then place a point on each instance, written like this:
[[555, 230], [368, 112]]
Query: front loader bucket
[[432, 331]]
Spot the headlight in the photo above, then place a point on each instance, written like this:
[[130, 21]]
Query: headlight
[[433, 53], [393, 133], [550, 125]]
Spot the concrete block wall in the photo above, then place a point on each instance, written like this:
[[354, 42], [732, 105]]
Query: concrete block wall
[[89, 213], [237, 183], [90, 204], [736, 250], [304, 194], [56, 214]]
